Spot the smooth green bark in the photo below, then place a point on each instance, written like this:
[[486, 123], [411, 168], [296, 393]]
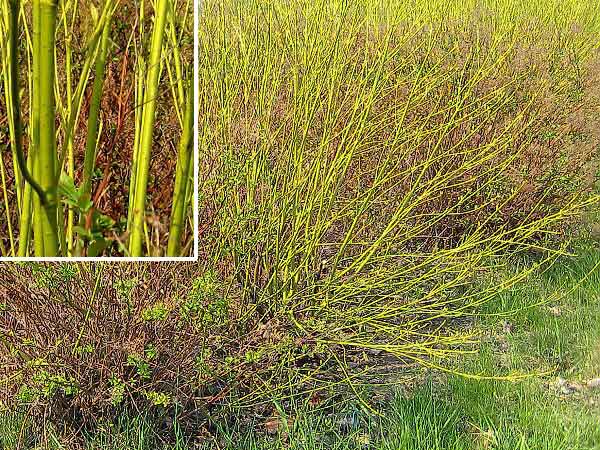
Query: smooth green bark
[[25, 167], [47, 158], [145, 150], [38, 234], [182, 178]]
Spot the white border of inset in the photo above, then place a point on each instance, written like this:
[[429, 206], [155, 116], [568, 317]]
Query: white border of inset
[[4, 259]]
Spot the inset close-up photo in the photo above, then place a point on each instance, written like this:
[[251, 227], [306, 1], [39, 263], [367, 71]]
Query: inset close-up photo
[[97, 128]]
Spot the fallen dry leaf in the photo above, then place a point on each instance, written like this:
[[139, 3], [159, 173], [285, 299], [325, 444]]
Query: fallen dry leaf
[[275, 424]]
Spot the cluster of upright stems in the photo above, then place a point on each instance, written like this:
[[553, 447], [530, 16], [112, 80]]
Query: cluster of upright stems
[[37, 178]]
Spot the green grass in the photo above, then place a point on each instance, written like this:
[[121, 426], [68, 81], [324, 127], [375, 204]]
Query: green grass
[[459, 413], [561, 338]]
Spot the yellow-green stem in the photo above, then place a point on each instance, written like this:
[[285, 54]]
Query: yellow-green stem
[[143, 160], [47, 160], [38, 235], [93, 120], [182, 178]]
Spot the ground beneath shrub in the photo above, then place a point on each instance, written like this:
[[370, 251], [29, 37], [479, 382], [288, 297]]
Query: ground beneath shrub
[[557, 407]]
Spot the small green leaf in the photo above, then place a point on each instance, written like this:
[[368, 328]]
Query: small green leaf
[[84, 204], [67, 189], [83, 232], [102, 222], [97, 247]]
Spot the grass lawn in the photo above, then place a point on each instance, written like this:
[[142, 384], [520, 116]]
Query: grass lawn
[[560, 340]]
